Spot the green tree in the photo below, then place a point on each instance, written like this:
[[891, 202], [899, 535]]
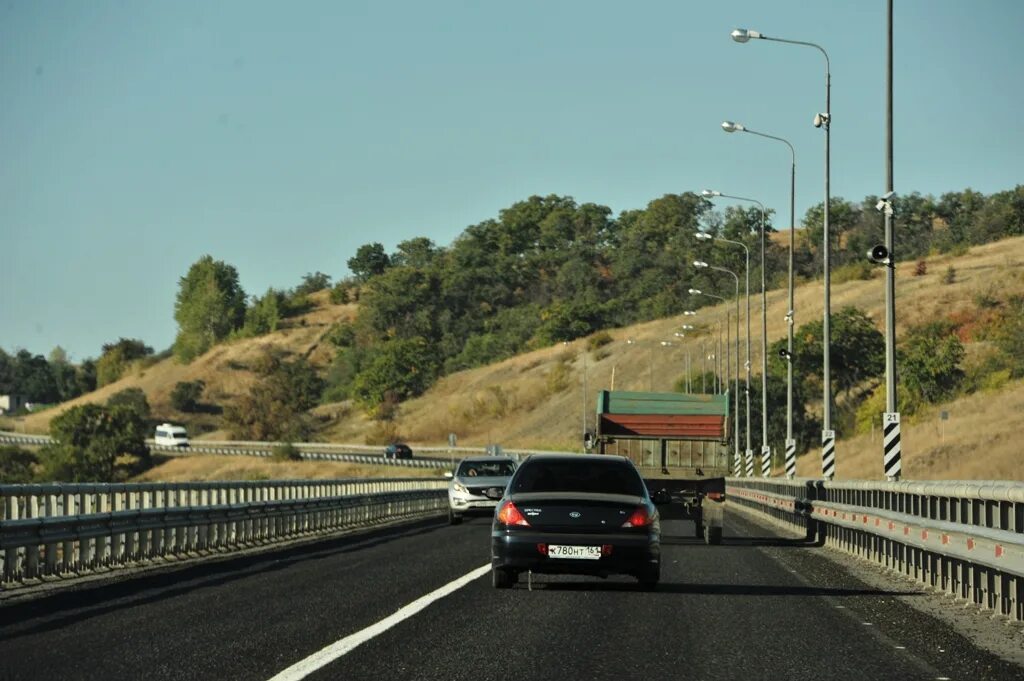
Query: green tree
[[404, 367], [88, 439], [117, 357], [33, 378], [17, 465], [1008, 334], [370, 260], [210, 305], [133, 399], [186, 395], [313, 282], [929, 361], [857, 351], [85, 377], [263, 316], [274, 408], [64, 374]]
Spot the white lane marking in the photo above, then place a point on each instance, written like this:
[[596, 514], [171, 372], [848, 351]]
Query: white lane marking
[[304, 668]]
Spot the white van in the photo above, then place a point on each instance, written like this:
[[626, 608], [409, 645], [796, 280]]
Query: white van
[[171, 436]]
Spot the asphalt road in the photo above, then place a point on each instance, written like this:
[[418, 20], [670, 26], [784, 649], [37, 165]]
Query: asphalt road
[[757, 607]]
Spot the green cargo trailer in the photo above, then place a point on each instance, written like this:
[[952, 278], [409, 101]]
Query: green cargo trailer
[[697, 486]]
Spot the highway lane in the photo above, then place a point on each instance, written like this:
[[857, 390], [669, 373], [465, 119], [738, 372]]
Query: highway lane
[[757, 607]]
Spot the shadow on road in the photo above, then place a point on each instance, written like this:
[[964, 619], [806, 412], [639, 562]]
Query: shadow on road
[[715, 589], [745, 542], [83, 601]]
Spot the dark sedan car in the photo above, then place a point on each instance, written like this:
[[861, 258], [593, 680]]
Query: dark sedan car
[[576, 514], [397, 450]]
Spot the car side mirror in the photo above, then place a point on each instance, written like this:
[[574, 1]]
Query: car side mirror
[[662, 497], [449, 475]]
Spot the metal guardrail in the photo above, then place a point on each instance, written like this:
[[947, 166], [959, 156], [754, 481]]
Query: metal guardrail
[[67, 531], [317, 451], [965, 538]]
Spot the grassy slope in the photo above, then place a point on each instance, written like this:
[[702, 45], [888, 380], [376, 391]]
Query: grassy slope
[[517, 403], [223, 368]]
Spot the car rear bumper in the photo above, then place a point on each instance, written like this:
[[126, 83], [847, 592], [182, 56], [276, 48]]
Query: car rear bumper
[[518, 550]]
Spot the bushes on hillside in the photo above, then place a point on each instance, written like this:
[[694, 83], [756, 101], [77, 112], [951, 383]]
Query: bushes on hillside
[[275, 408], [17, 465], [186, 395], [88, 441]]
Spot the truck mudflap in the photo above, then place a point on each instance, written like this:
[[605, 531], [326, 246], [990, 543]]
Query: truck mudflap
[[701, 500]]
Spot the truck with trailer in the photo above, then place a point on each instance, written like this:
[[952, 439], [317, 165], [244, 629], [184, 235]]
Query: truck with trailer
[[683, 449]]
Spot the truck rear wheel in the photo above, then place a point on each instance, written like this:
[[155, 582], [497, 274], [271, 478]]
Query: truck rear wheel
[[712, 535]]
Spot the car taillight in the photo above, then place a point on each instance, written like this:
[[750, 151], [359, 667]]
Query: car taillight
[[640, 518], [510, 515]]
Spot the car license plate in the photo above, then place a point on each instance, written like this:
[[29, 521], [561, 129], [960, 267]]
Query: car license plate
[[574, 552]]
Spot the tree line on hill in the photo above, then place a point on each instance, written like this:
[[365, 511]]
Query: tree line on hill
[[548, 269]]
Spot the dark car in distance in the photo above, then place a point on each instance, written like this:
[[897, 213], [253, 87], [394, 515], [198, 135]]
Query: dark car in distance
[[576, 514], [397, 450]]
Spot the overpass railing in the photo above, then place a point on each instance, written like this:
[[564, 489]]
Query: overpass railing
[[964, 538], [72, 530]]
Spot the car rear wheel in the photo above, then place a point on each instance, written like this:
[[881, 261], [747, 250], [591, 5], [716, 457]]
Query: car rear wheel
[[712, 535], [453, 519], [503, 578]]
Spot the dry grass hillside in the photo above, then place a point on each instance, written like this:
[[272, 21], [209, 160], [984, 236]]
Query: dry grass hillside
[[536, 400], [531, 401], [224, 369]]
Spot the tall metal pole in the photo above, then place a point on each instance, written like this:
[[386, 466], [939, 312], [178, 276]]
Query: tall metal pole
[[828, 467], [730, 127], [828, 450], [890, 426], [790, 322], [746, 251], [766, 450]]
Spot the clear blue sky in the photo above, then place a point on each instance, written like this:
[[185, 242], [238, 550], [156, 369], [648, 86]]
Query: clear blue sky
[[137, 136]]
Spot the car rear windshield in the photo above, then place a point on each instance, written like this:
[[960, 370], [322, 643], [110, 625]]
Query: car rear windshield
[[482, 468], [584, 475]]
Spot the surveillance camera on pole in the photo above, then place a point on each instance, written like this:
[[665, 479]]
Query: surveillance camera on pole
[[822, 119], [785, 354], [880, 255]]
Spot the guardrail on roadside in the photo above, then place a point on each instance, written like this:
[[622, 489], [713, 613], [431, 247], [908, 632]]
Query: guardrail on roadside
[[317, 451], [70, 530], [965, 538]]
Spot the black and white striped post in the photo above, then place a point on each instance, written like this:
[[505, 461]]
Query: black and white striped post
[[790, 458], [766, 461], [828, 454], [891, 445], [750, 463], [737, 465]]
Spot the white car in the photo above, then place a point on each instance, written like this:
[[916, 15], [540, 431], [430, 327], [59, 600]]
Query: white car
[[170, 436], [477, 484]]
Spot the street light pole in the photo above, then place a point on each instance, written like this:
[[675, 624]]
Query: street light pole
[[736, 391], [766, 452], [730, 126], [821, 120], [891, 463], [704, 235]]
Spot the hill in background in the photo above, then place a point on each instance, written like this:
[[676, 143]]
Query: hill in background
[[536, 400]]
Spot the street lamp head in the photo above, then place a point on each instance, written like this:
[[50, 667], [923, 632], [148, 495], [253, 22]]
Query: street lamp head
[[703, 236], [742, 35], [690, 313], [666, 343], [730, 126], [679, 335], [694, 292], [630, 341], [710, 193], [686, 327], [699, 263]]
